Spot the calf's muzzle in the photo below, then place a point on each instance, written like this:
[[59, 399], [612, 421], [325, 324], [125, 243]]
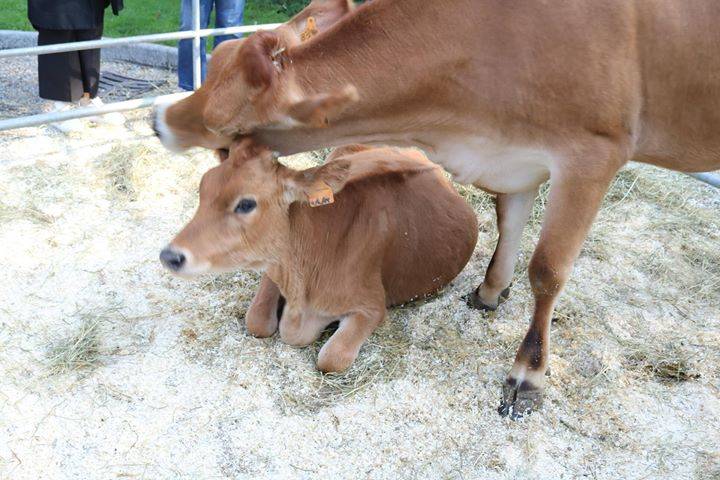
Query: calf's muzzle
[[172, 259]]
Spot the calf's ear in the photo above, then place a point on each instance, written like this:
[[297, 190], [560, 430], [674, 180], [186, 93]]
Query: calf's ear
[[319, 110], [303, 185], [243, 149]]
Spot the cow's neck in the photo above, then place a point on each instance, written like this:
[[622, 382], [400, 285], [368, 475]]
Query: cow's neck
[[392, 83]]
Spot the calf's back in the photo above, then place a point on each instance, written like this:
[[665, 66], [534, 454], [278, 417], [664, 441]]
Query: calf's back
[[408, 224]]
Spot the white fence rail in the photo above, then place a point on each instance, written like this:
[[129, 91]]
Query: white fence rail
[[114, 42], [196, 34], [43, 118], [709, 178]]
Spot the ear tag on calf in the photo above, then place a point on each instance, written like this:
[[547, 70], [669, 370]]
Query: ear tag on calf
[[320, 194], [310, 29]]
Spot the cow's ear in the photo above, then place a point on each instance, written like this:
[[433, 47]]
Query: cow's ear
[[257, 58], [319, 110], [319, 16], [247, 69], [317, 185]]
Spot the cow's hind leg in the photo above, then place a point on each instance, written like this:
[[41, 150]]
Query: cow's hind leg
[[512, 212], [262, 317], [576, 192]]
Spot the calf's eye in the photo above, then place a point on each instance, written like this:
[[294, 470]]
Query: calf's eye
[[246, 205]]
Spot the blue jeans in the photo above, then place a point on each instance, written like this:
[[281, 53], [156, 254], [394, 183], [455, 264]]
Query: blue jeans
[[228, 13]]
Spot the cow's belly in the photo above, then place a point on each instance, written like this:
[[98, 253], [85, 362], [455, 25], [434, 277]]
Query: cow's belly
[[493, 166]]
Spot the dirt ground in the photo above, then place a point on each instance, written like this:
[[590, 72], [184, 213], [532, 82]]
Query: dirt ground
[[111, 368]]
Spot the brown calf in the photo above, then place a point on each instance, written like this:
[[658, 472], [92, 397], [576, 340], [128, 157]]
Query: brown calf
[[504, 94], [396, 231]]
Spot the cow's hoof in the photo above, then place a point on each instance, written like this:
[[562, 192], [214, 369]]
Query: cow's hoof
[[474, 300], [519, 401]]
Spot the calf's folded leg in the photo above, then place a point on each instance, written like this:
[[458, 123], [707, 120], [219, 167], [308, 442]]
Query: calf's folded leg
[[301, 328], [261, 318], [342, 348]]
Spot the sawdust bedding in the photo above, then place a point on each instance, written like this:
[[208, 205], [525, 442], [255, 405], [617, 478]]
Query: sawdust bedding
[[111, 368]]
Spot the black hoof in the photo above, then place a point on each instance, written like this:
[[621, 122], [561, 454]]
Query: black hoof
[[505, 294], [519, 401], [473, 300]]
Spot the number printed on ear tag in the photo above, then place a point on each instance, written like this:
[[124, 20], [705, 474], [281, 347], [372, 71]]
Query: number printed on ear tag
[[320, 194], [310, 30]]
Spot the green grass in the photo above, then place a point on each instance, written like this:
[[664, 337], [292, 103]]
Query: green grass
[[153, 16], [13, 15]]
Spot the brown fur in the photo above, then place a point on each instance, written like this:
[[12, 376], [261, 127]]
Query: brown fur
[[588, 84], [372, 247], [186, 120]]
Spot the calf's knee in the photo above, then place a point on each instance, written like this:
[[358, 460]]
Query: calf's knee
[[261, 325], [335, 358], [295, 332]]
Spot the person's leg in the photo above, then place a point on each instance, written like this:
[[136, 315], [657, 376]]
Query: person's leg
[[90, 65], [59, 75], [60, 78], [228, 13], [185, 47], [90, 61]]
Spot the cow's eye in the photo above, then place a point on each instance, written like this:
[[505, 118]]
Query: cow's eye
[[246, 205]]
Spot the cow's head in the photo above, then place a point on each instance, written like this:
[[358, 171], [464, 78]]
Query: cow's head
[[242, 220], [249, 84]]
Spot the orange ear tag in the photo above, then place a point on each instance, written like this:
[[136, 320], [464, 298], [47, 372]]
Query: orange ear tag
[[320, 194], [310, 29]]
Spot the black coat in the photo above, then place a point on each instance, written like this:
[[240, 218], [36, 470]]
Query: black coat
[[70, 14]]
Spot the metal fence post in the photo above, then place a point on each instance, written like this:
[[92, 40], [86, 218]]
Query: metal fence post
[[197, 64]]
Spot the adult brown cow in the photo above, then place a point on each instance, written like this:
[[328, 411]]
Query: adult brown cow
[[505, 95]]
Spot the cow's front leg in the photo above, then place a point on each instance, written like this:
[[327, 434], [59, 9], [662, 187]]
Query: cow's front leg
[[261, 318], [343, 347], [513, 210], [574, 199]]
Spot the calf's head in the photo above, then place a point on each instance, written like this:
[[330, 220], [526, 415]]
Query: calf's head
[[250, 83], [242, 220]]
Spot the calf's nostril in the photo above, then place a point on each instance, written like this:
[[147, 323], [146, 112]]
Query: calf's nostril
[[172, 259]]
